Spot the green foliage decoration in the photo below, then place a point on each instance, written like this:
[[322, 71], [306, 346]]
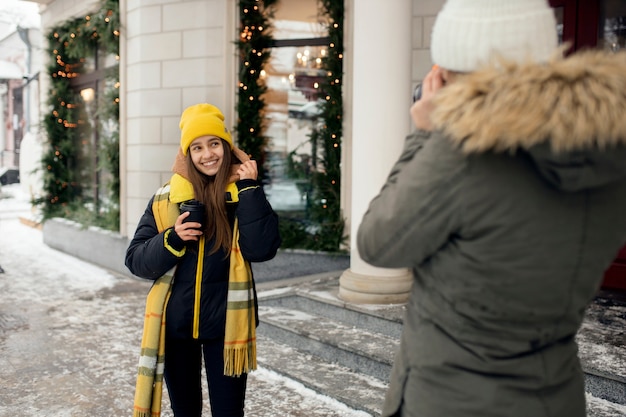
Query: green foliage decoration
[[254, 52], [326, 181], [322, 228], [66, 176]]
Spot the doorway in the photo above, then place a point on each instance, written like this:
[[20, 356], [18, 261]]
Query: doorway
[[293, 77]]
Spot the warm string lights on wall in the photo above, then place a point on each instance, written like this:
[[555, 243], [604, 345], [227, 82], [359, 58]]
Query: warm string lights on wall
[[253, 44], [327, 179], [318, 74], [69, 46]]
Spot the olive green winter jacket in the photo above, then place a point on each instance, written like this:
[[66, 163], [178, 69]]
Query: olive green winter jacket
[[508, 213]]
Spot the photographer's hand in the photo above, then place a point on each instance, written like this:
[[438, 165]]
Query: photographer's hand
[[422, 108]]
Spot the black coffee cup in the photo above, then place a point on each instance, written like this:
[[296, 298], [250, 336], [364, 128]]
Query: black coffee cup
[[195, 209]]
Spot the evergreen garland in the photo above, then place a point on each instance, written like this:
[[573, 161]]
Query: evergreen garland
[[326, 181], [65, 176], [323, 226], [323, 230], [254, 52]]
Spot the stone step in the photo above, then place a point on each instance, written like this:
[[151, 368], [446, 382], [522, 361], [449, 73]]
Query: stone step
[[602, 350], [363, 351], [357, 391], [386, 320], [311, 319]]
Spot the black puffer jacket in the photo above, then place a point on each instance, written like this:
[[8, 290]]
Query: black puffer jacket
[[148, 257]]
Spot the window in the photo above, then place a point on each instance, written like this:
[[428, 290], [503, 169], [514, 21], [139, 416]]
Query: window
[[293, 75], [89, 87]]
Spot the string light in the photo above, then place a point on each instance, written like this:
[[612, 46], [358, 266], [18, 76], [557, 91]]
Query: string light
[[73, 41]]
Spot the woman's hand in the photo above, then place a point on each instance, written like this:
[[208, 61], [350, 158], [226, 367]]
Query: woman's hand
[[248, 170], [422, 108], [187, 231]]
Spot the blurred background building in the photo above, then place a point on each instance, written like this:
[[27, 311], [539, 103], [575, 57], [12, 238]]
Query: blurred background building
[[174, 53]]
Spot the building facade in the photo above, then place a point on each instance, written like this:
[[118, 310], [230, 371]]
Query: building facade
[[175, 53], [20, 39]]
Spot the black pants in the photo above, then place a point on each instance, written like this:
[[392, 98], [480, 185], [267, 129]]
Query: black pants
[[183, 379]]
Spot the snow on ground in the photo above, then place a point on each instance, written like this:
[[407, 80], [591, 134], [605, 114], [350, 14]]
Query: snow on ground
[[70, 334]]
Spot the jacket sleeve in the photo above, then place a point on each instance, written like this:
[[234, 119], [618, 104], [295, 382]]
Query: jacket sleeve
[[151, 254], [416, 211], [259, 237]]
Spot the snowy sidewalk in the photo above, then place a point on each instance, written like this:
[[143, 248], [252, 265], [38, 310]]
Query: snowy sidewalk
[[70, 334]]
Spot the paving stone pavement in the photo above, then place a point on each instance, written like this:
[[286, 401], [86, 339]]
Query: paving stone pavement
[[70, 334], [70, 351]]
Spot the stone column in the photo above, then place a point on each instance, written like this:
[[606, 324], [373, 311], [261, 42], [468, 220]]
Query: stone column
[[380, 99]]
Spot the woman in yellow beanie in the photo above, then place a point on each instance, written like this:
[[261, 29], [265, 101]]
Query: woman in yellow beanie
[[201, 266]]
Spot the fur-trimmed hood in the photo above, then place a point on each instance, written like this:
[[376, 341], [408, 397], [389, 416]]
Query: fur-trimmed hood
[[569, 115]]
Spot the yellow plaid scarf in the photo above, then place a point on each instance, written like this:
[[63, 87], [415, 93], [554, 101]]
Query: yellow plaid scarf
[[240, 336], [149, 388]]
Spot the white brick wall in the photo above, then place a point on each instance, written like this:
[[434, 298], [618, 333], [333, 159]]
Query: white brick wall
[[178, 53], [424, 13]]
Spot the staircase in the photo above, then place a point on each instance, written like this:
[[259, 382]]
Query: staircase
[[346, 351], [602, 350]]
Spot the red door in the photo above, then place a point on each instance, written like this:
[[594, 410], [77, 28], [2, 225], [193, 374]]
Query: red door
[[615, 276], [584, 24]]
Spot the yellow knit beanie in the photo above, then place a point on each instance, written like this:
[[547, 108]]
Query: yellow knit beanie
[[202, 120]]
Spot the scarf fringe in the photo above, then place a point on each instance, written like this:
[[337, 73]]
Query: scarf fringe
[[144, 413], [240, 359]]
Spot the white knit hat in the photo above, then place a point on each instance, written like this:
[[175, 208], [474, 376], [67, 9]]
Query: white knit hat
[[467, 33]]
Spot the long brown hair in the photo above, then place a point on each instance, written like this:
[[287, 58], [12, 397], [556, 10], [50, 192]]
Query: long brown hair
[[211, 191]]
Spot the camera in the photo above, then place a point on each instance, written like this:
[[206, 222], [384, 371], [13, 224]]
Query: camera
[[417, 93]]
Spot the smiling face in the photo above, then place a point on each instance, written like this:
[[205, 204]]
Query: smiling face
[[207, 154]]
